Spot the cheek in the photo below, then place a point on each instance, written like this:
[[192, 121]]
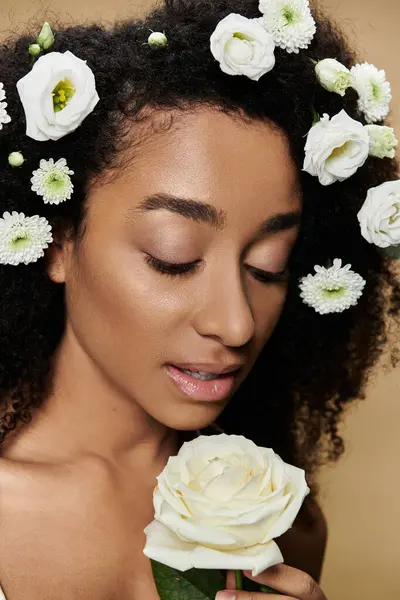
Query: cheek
[[115, 299], [267, 309]]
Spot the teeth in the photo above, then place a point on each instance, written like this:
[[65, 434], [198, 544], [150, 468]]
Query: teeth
[[201, 375]]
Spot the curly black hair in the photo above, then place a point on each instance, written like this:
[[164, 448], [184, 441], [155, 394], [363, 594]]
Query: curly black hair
[[313, 366]]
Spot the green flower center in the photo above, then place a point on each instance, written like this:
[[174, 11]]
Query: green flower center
[[289, 15], [62, 94], [396, 217], [56, 181], [376, 91], [242, 36], [20, 241], [334, 293]]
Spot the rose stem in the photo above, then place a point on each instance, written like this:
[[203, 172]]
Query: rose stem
[[239, 579]]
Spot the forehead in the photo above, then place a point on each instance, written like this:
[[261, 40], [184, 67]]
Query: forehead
[[233, 162]]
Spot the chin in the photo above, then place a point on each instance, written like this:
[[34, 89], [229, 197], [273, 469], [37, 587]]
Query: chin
[[193, 417]]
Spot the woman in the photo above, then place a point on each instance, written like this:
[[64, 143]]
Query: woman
[[163, 304]]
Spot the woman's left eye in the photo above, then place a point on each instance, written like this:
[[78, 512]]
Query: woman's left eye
[[171, 268], [269, 277]]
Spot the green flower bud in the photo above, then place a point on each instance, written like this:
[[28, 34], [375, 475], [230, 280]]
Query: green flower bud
[[45, 38], [34, 50], [16, 159], [157, 39]]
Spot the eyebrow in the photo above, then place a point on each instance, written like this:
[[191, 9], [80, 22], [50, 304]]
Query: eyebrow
[[201, 212]]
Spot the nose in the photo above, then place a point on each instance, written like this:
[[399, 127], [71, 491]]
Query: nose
[[225, 312]]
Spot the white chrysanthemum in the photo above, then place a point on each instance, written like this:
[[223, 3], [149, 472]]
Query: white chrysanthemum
[[23, 239], [290, 23], [4, 116], [332, 290], [52, 181], [374, 93]]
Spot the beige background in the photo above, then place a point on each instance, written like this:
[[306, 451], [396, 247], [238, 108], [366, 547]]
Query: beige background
[[360, 495]]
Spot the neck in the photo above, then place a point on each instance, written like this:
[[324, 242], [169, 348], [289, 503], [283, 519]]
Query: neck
[[85, 413]]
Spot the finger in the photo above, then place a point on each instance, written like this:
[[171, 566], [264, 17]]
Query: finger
[[289, 581], [236, 595]]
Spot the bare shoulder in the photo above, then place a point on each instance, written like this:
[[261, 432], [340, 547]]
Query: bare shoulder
[[304, 546], [53, 531]]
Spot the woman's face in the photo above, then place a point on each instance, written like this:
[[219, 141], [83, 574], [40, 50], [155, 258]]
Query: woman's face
[[220, 196]]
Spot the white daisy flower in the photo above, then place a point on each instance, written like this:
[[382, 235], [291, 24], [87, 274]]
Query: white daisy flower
[[23, 239], [373, 90], [290, 23], [52, 181], [332, 290], [4, 116]]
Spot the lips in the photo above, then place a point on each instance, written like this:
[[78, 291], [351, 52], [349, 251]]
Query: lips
[[215, 389], [213, 368]]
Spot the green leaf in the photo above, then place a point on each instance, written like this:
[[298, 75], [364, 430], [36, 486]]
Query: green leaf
[[195, 584]]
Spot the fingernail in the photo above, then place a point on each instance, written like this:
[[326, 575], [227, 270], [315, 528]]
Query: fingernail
[[226, 595]]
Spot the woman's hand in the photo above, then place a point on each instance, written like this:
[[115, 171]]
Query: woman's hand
[[290, 583]]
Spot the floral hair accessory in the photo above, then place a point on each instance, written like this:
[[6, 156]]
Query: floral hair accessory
[[23, 239], [333, 76], [4, 116], [157, 39], [34, 50], [57, 95], [45, 39], [16, 159], [243, 47], [379, 216], [336, 148], [332, 290], [382, 141], [374, 93], [52, 181], [290, 23]]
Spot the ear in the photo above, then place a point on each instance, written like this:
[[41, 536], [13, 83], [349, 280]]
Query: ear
[[58, 258]]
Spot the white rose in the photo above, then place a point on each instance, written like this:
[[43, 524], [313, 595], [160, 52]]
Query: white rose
[[56, 77], [333, 76], [243, 47], [220, 503], [382, 141], [336, 148], [379, 216]]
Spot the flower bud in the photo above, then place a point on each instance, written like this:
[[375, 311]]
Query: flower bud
[[45, 38], [34, 50], [16, 159], [382, 141], [333, 76], [157, 39]]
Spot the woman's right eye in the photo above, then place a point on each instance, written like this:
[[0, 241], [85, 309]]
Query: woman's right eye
[[173, 269]]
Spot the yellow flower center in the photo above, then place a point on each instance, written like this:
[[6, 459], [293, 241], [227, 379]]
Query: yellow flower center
[[62, 94], [339, 151]]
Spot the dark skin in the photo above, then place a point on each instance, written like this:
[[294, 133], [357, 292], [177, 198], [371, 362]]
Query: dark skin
[[77, 482]]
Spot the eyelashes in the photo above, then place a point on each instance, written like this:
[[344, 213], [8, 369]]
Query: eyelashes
[[179, 269], [173, 269]]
